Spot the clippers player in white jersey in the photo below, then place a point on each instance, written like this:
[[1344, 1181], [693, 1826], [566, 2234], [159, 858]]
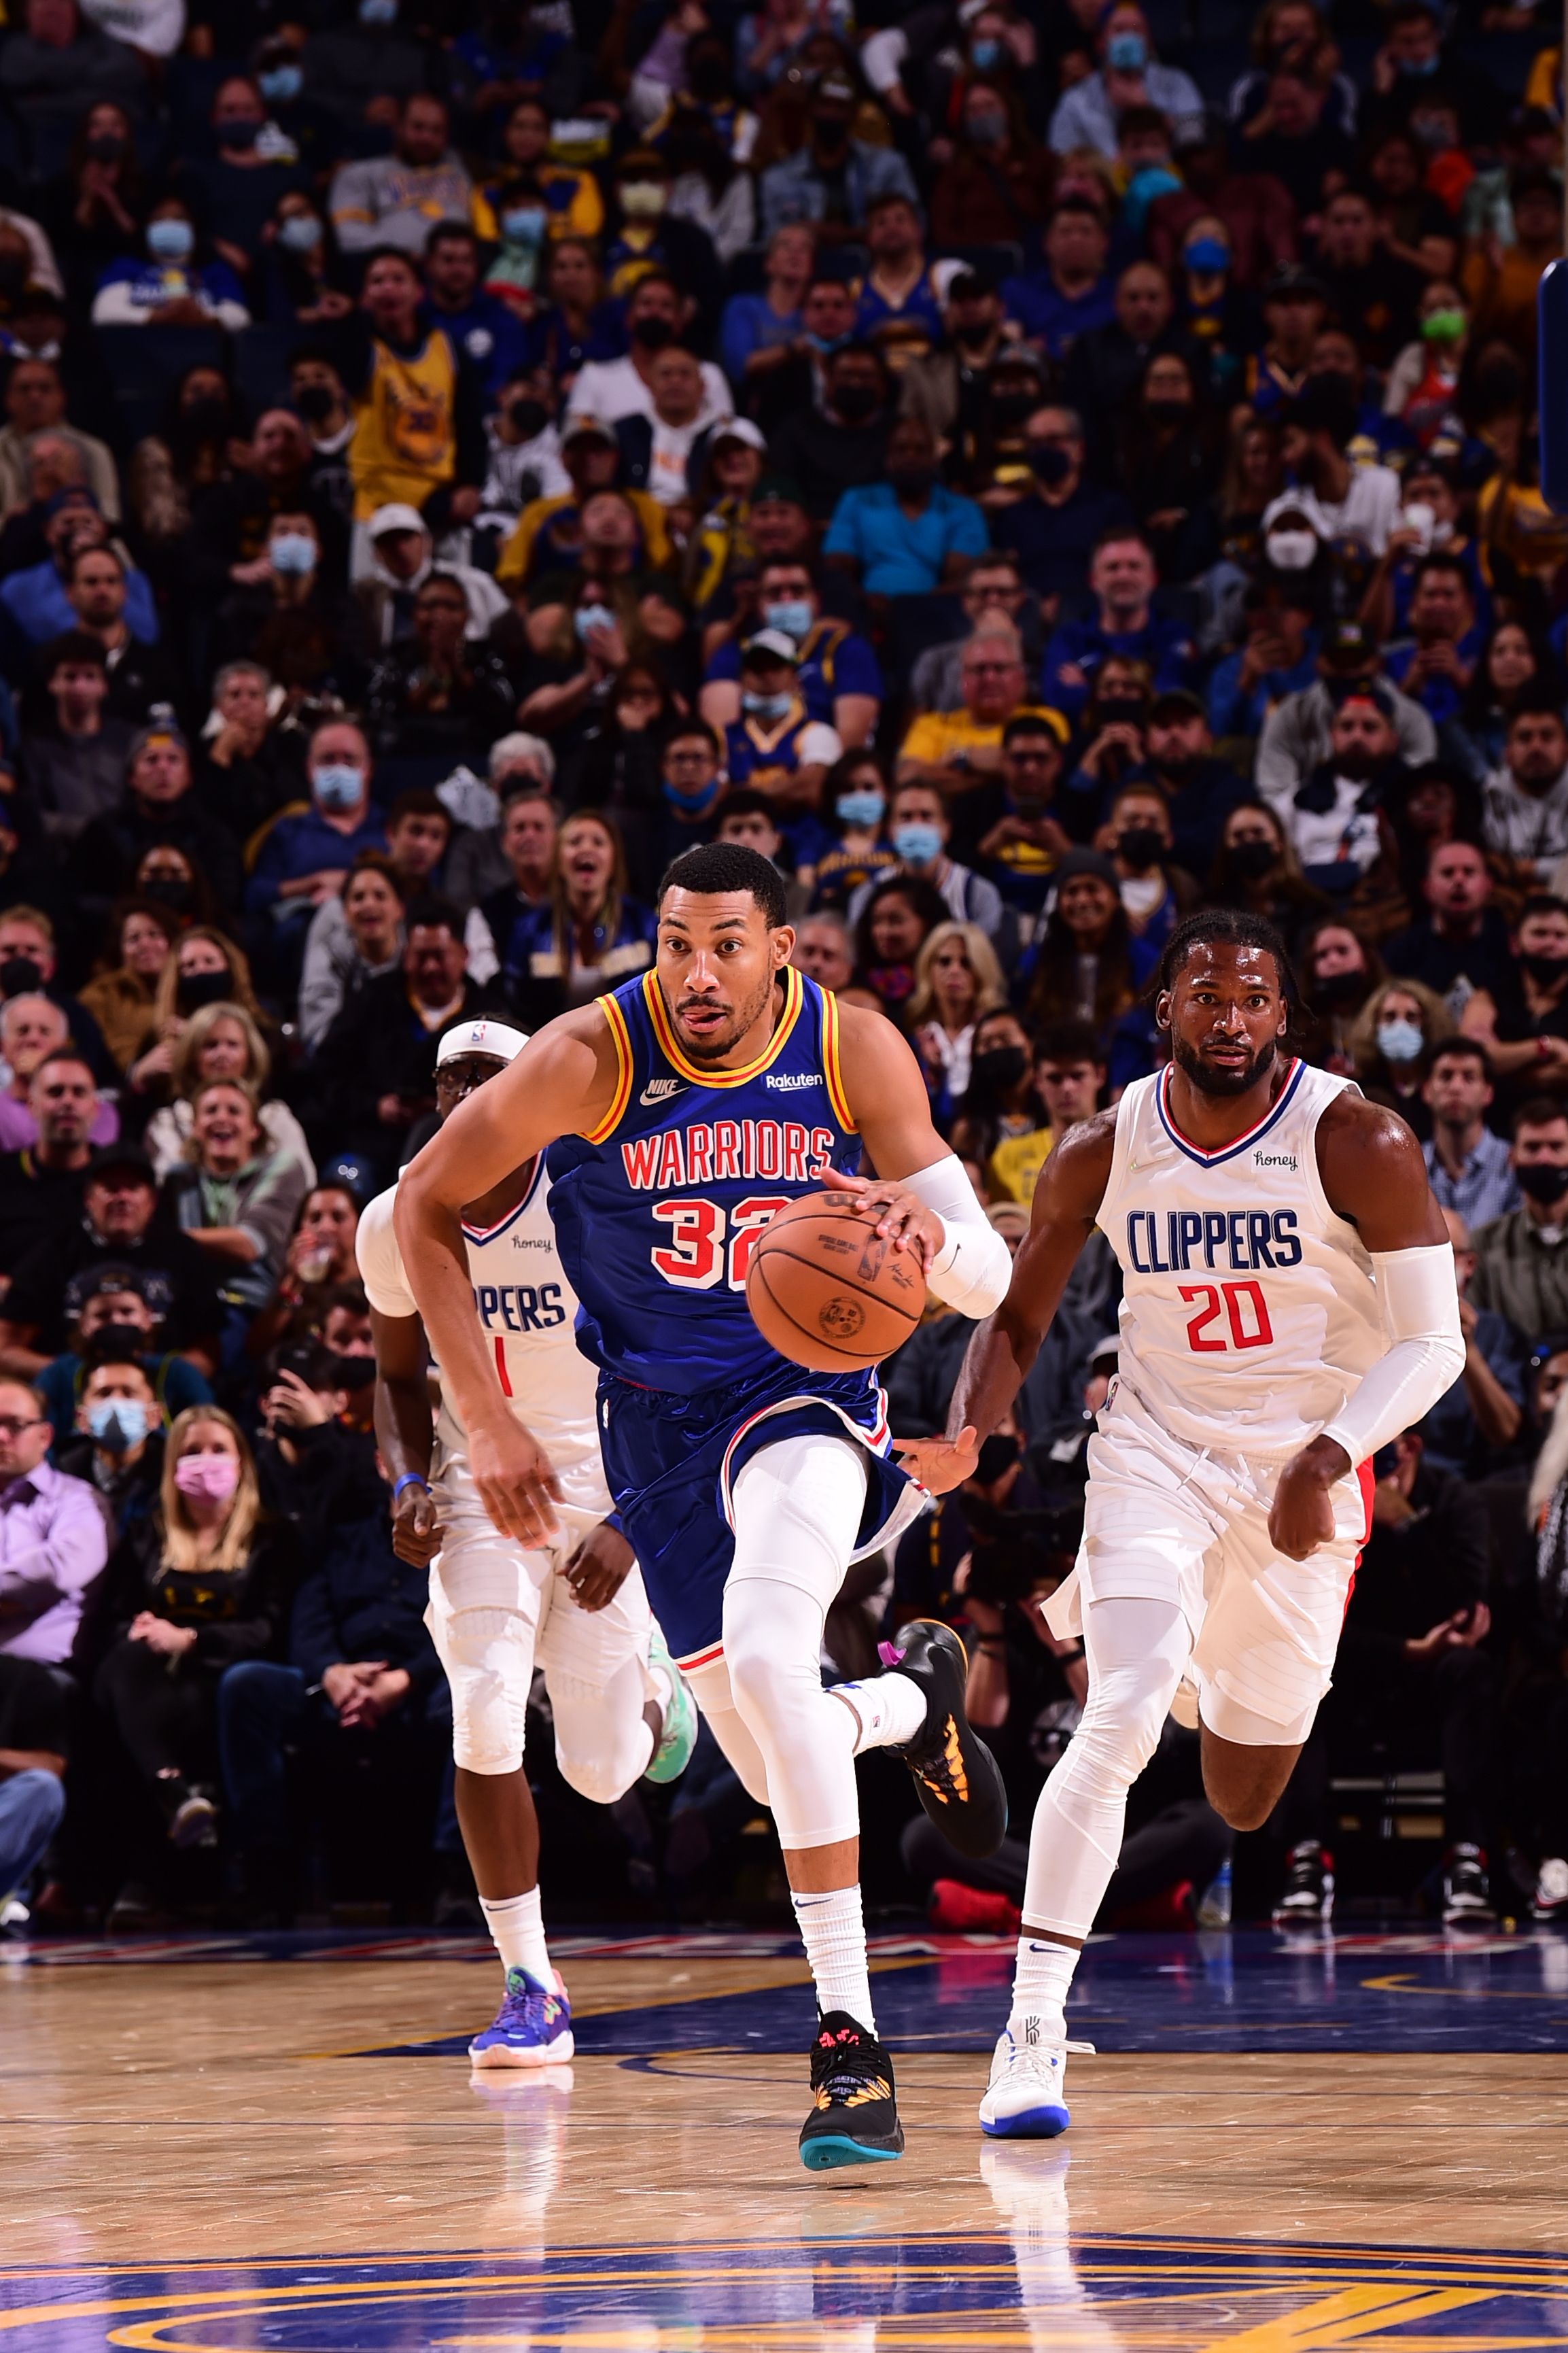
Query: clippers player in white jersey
[[573, 1605], [1288, 1307]]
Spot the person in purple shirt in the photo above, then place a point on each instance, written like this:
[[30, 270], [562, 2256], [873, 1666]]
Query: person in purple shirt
[[305, 856], [54, 1539], [1073, 292]]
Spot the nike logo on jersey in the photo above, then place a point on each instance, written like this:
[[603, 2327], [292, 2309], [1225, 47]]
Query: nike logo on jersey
[[659, 1090]]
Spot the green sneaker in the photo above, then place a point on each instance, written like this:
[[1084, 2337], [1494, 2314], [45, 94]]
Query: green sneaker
[[673, 1754]]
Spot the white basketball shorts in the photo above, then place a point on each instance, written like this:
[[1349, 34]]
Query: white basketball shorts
[[1164, 1521]]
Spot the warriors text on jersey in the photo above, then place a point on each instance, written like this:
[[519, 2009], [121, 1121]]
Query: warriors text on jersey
[[1249, 1311], [527, 1309], [658, 1209]]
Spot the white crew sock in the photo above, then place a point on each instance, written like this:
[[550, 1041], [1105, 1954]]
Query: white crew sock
[[1040, 1983], [518, 1932], [889, 1709], [834, 1935]]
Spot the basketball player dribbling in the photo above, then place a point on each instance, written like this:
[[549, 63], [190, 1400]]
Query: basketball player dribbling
[[680, 1114], [1288, 1307]]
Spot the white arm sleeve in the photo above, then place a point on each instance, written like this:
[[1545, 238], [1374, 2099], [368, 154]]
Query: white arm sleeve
[[1421, 1310], [974, 1267], [380, 1260]]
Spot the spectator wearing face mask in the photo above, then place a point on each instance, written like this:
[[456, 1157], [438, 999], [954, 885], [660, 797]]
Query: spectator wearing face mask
[[920, 829], [115, 1444], [1278, 656], [855, 800], [1521, 1266], [1525, 820], [1399, 1029], [1128, 74], [1437, 668], [304, 859], [161, 811], [171, 287], [114, 1325], [834, 178], [907, 535], [293, 617], [1338, 819], [1522, 1021], [657, 315], [1055, 526]]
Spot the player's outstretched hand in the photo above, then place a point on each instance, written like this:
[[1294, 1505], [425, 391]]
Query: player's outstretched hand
[[416, 1531], [900, 1218], [1302, 1516], [599, 1567], [517, 1484], [941, 1464]]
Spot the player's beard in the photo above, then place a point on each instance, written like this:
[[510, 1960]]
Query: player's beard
[[1210, 1079], [717, 1043]]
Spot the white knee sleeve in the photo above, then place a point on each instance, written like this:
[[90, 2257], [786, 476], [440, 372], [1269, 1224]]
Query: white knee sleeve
[[1137, 1650], [489, 1657], [603, 1742], [709, 1687], [798, 1507]]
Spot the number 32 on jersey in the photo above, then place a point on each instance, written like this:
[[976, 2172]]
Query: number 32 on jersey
[[709, 1245]]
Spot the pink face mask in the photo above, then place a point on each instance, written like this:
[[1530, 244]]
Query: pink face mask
[[212, 1476]]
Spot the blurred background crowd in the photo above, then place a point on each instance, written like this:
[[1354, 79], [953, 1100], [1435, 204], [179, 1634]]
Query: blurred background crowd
[[1028, 467]]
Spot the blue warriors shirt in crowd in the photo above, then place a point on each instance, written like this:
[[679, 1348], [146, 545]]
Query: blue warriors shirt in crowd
[[657, 1213]]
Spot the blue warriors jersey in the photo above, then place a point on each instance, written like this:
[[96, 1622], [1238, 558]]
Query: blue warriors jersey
[[657, 1211]]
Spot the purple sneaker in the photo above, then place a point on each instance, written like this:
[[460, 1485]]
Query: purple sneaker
[[533, 2028]]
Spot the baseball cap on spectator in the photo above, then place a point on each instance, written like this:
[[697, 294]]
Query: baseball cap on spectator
[[396, 517], [1349, 647], [780, 487], [157, 730], [1367, 689], [1294, 279], [1176, 703], [767, 647], [128, 1159], [739, 428], [110, 1280], [589, 429]]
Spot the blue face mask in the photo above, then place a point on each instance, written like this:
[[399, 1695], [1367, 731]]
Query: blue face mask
[[524, 224], [292, 553], [985, 53], [1208, 256], [1127, 52], [860, 807], [793, 614], [826, 344], [917, 844], [338, 787], [170, 240], [1419, 68], [300, 233], [591, 616], [766, 706], [279, 84], [694, 804], [119, 1423], [1398, 1041], [377, 12]]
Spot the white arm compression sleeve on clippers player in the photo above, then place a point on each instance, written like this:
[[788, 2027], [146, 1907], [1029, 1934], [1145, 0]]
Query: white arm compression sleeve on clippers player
[[1421, 1308], [974, 1267]]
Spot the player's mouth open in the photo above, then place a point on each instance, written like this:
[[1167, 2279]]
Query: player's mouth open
[[700, 1015]]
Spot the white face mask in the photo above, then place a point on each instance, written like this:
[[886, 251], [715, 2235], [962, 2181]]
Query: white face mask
[[1291, 551]]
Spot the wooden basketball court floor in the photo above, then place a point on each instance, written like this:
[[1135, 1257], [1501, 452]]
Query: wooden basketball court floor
[[274, 2146]]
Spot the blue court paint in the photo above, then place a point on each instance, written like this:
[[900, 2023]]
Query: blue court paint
[[1250, 1989], [1030, 2280]]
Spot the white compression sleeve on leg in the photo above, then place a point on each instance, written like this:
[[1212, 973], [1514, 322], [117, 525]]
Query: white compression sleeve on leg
[[1421, 1310], [1137, 1650], [974, 1267], [798, 1506]]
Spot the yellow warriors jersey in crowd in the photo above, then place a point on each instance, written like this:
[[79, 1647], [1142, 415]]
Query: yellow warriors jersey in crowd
[[405, 437]]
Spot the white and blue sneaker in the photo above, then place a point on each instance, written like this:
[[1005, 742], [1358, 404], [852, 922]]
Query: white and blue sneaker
[[673, 1754], [533, 2028], [1026, 2096]]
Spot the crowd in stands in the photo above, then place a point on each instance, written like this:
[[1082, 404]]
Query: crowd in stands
[[1030, 468]]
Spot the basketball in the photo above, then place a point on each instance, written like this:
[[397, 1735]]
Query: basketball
[[827, 1291]]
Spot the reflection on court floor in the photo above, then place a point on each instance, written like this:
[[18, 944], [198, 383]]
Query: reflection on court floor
[[1030, 2284]]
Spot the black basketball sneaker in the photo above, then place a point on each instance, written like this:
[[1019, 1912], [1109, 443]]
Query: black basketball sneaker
[[955, 1774], [854, 2116]]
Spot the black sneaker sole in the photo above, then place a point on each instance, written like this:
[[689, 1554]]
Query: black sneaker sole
[[825, 2152], [973, 1819]]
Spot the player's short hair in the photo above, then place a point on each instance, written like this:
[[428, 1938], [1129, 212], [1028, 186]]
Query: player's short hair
[[1228, 927], [719, 866]]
